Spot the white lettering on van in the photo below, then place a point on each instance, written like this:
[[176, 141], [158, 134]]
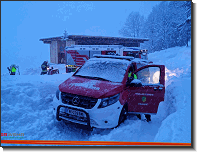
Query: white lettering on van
[[144, 94]]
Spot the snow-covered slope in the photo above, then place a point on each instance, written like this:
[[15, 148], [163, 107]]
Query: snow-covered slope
[[177, 126], [26, 106]]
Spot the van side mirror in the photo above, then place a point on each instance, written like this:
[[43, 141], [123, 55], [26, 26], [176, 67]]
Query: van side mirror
[[135, 83]]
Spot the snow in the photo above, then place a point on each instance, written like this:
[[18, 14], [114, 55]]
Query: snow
[[114, 56], [142, 61], [105, 68], [177, 126], [26, 106]]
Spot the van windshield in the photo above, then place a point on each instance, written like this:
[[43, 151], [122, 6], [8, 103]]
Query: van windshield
[[105, 69]]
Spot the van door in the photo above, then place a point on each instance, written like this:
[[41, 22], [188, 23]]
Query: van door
[[146, 96]]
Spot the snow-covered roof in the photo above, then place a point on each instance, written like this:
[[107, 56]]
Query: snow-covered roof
[[95, 46], [98, 40], [136, 60], [114, 57], [143, 61]]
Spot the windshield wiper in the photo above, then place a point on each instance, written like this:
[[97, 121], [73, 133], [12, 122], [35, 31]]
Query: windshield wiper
[[82, 76], [96, 78]]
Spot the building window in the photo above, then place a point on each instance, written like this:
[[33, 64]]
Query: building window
[[108, 48], [97, 48], [84, 48]]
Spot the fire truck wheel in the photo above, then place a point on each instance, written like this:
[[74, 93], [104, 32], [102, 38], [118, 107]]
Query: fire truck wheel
[[123, 114]]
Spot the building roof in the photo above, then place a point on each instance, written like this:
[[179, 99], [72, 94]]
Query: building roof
[[48, 40], [96, 40]]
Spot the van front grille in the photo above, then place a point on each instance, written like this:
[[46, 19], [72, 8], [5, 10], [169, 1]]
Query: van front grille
[[78, 100]]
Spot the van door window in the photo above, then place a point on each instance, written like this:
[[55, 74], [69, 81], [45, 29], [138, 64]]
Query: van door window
[[150, 75]]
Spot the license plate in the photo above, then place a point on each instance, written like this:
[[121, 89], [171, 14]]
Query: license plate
[[73, 112]]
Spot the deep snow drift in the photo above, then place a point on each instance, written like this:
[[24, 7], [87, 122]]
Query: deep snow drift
[[26, 106]]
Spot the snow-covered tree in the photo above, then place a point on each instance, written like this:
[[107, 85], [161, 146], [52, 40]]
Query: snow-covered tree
[[133, 25], [185, 27], [65, 35], [168, 25], [149, 30], [175, 14]]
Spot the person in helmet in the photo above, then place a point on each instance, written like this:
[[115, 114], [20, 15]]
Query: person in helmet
[[12, 69], [44, 67]]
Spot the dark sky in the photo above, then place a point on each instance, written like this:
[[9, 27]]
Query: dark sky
[[23, 23]]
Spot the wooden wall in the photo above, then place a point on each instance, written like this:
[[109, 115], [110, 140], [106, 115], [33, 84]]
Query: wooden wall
[[53, 52], [57, 50]]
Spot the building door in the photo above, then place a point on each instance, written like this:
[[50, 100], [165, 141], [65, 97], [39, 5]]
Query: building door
[[61, 58]]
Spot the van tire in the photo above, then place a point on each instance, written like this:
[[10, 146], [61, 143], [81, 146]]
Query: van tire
[[139, 116], [148, 117], [123, 114]]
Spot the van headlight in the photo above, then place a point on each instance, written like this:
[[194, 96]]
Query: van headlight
[[109, 101], [57, 94]]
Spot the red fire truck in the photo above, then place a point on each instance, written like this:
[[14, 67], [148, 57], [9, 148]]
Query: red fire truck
[[77, 55]]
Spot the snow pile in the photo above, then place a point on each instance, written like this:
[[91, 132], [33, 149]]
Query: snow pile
[[26, 106], [133, 130], [177, 126]]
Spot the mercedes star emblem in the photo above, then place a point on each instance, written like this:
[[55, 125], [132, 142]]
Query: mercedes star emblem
[[75, 100]]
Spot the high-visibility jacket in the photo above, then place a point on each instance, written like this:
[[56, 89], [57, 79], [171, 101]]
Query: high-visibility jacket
[[13, 69], [135, 76]]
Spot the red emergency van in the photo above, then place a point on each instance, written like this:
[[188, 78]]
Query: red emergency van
[[101, 94]]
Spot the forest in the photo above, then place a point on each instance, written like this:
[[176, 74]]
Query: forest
[[168, 25]]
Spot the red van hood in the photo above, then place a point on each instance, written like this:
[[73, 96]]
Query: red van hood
[[90, 87]]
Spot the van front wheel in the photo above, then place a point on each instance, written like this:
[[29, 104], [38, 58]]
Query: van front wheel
[[123, 115]]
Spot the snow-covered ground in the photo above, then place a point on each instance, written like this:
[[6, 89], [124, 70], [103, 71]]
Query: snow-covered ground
[[26, 106]]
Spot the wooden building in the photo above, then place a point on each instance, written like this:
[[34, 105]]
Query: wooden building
[[58, 44]]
